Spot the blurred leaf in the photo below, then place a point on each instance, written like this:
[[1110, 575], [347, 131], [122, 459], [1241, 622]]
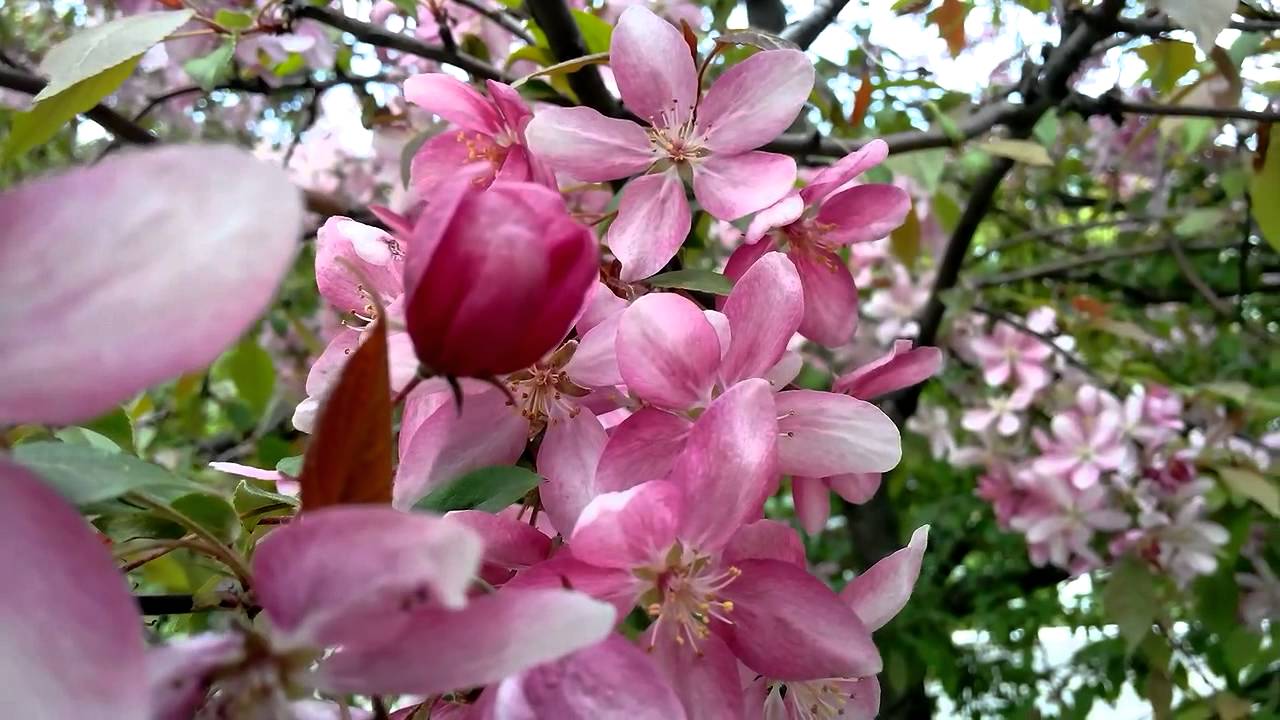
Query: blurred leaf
[[349, 459], [565, 67], [215, 68], [949, 17], [925, 167], [596, 33], [1127, 601], [252, 372], [85, 474], [489, 489], [234, 20], [291, 466], [35, 126], [861, 100], [1167, 61], [102, 48], [250, 497], [116, 425], [1027, 152], [693, 279], [84, 436], [1254, 486], [212, 513], [408, 8], [756, 39], [1264, 186], [1231, 707], [1199, 221], [1206, 19], [904, 241]]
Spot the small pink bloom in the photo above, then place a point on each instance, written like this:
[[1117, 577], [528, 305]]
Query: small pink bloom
[[901, 368], [1087, 440], [711, 136], [1010, 354], [1001, 414], [895, 307], [495, 278], [1060, 520]]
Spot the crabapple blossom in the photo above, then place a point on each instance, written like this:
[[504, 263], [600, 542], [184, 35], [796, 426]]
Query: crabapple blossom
[[1011, 354]]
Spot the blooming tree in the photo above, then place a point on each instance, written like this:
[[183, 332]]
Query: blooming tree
[[446, 358]]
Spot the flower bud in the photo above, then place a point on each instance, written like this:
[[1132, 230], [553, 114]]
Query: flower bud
[[495, 278]]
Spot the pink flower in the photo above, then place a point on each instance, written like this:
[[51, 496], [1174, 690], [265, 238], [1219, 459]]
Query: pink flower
[[1153, 415], [1087, 440], [1001, 414], [387, 593], [495, 278], [717, 585], [895, 307], [1010, 354], [901, 368], [709, 137], [86, 325], [489, 135], [1060, 521], [813, 224]]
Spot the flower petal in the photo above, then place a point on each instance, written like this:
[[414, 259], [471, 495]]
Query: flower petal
[[181, 670], [764, 311], [342, 243], [788, 625], [830, 298], [508, 542], [451, 443], [586, 145], [454, 101], [316, 580], [567, 458], [881, 592], [70, 635], [901, 368], [653, 220], [668, 353], [731, 186], [864, 212], [103, 265], [613, 679], [780, 214], [728, 464], [612, 585], [812, 499], [492, 637], [653, 68], [856, 488], [707, 681], [641, 448], [764, 540], [826, 434], [754, 101], [847, 168], [630, 528]]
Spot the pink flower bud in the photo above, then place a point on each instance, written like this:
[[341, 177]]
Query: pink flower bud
[[495, 278]]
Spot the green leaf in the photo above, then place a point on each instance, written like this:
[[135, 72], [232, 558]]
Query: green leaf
[[697, 280], [116, 425], [96, 50], [904, 241], [565, 67], [409, 8], [490, 489], [252, 372], [1027, 152], [250, 497], [213, 69], [86, 474], [1198, 222], [1254, 486], [35, 126], [210, 512], [291, 466], [596, 33], [756, 39], [1128, 602], [1167, 61], [87, 437], [234, 20], [1264, 186]]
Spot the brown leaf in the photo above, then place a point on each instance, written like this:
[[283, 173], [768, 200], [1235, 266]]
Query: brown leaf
[[349, 459], [949, 17], [690, 39], [1092, 307], [861, 100]]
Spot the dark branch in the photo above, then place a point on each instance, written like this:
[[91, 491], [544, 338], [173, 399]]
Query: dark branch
[[500, 17], [1159, 25], [112, 121], [374, 35], [1113, 104], [769, 15], [556, 20], [804, 32], [1047, 341], [179, 604], [1059, 268], [975, 125]]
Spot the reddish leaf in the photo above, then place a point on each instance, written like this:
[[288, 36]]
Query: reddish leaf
[[349, 459], [1092, 307], [861, 100], [690, 39], [949, 17]]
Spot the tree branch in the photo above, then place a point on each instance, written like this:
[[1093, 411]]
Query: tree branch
[[1058, 268], [1159, 25], [768, 15], [112, 121], [500, 18], [1113, 104], [804, 32], [556, 20]]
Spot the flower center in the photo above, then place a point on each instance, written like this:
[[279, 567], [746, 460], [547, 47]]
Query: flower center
[[816, 700], [686, 598], [808, 238], [544, 393], [481, 148], [676, 142]]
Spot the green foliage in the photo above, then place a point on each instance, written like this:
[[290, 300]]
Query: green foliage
[[86, 474], [490, 489]]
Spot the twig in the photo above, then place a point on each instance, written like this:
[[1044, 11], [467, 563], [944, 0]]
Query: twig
[[1160, 25], [109, 119], [228, 556], [1112, 103], [1220, 306], [556, 20], [804, 32], [1065, 265], [1044, 233], [259, 87], [501, 18], [179, 604]]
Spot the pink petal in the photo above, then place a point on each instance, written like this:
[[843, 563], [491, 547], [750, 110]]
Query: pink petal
[[847, 168], [567, 459], [785, 371], [764, 540], [653, 220], [731, 186], [70, 634], [826, 434], [443, 158], [611, 679], [901, 368], [601, 305], [492, 637], [315, 580], [653, 68], [595, 363], [856, 488], [342, 243], [764, 311], [728, 464], [181, 670], [630, 528], [613, 585], [864, 697], [667, 351], [812, 499], [830, 298], [103, 265], [878, 594], [706, 680], [642, 447], [586, 145], [780, 214], [515, 113], [788, 625], [507, 542], [754, 101], [454, 101], [449, 445], [864, 212]]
